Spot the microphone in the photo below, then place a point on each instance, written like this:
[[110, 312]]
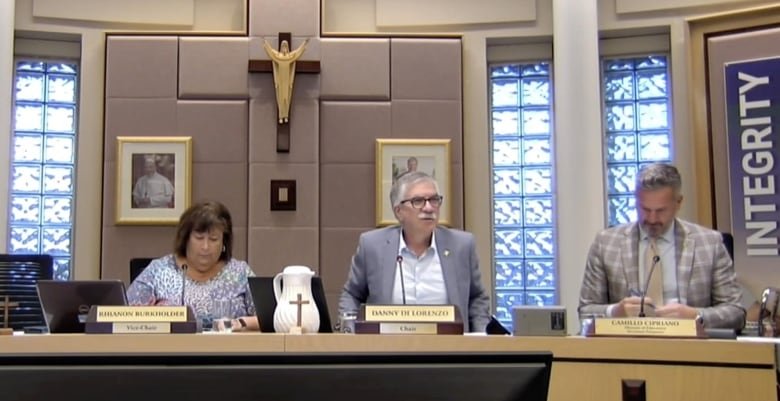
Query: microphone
[[184, 268], [400, 260], [656, 259]]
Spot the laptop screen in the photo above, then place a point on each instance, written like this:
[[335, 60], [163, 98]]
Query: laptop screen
[[66, 304], [262, 289]]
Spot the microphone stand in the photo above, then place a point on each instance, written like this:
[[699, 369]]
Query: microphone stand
[[184, 268], [400, 260], [656, 258]]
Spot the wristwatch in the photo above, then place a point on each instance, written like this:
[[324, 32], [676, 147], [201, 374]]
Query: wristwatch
[[242, 322]]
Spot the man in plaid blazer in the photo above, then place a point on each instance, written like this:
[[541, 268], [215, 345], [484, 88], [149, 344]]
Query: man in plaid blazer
[[698, 274]]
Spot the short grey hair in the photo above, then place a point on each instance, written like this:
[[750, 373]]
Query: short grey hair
[[398, 191], [658, 176]]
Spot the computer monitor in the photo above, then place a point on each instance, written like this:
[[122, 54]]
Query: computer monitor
[[66, 304], [262, 289]]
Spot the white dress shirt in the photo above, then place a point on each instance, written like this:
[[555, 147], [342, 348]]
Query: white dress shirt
[[423, 279]]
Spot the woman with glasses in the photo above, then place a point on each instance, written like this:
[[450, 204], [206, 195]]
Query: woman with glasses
[[417, 261]]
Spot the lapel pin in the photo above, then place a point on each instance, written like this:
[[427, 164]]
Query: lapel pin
[[446, 252]]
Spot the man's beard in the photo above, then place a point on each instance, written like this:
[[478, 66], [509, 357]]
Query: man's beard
[[654, 230]]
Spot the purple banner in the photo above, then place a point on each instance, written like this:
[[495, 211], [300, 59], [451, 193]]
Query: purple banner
[[753, 117]]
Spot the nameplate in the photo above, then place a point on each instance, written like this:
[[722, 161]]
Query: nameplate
[[410, 313], [408, 328], [364, 327], [140, 320], [141, 328], [144, 314], [645, 327]]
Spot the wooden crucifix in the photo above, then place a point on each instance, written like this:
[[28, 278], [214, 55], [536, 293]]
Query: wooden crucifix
[[284, 65], [300, 302], [6, 305]]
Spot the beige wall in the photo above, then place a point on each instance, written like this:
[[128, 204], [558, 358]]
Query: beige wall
[[358, 16]]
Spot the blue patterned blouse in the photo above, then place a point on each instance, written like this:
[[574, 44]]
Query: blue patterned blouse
[[160, 284]]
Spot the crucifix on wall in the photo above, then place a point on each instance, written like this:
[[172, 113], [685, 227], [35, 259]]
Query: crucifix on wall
[[284, 65]]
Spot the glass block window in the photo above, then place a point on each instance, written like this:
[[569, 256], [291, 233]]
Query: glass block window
[[637, 121], [524, 244], [42, 163]]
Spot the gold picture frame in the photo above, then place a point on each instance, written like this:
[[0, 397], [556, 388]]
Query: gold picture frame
[[154, 179], [393, 156]]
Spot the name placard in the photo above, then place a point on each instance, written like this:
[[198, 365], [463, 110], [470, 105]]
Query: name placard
[[363, 327], [136, 328], [141, 314], [645, 327], [410, 313], [408, 328], [409, 319], [140, 320]]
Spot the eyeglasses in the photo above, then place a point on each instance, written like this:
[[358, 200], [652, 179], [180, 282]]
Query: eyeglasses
[[419, 202]]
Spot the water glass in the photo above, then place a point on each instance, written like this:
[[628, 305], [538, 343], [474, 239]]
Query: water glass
[[588, 322], [222, 314], [347, 322]]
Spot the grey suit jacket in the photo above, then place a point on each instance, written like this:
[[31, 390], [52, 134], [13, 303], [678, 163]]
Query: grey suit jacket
[[705, 273], [372, 274]]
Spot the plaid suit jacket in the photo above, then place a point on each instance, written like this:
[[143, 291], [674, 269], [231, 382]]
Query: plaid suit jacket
[[705, 273]]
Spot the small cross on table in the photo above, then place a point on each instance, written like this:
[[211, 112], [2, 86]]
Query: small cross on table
[[300, 302], [6, 305]]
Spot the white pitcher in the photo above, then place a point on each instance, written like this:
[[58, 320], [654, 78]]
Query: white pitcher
[[297, 280]]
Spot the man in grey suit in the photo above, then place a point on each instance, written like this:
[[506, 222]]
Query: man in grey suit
[[439, 264], [695, 273]]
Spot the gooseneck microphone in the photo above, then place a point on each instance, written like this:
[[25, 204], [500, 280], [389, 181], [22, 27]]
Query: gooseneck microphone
[[656, 259], [400, 261], [184, 268]]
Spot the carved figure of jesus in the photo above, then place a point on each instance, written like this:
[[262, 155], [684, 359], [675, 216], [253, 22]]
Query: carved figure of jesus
[[284, 74]]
